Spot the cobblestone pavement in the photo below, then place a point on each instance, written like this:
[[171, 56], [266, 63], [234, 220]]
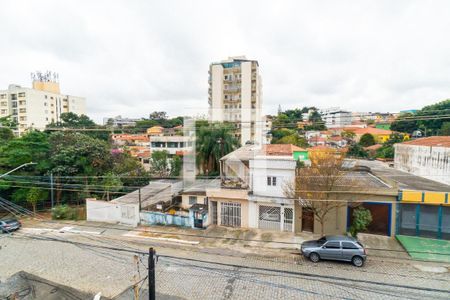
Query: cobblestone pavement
[[195, 274]]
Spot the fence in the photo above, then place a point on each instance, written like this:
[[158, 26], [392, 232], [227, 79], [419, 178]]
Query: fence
[[156, 218]]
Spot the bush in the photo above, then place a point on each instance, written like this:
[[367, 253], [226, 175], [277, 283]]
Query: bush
[[64, 212], [361, 219]]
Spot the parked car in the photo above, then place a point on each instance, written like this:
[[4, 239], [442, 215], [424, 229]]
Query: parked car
[[8, 225], [336, 247]]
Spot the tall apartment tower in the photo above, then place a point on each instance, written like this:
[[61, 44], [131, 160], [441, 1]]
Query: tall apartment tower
[[40, 105], [235, 97]]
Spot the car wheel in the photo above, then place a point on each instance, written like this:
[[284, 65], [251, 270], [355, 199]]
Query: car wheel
[[314, 257], [357, 261]]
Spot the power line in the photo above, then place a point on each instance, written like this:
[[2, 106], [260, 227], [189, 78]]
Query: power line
[[307, 275]]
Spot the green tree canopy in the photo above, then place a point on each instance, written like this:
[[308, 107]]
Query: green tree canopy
[[367, 140], [213, 142]]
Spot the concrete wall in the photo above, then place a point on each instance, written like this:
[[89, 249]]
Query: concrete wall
[[156, 218], [104, 211], [185, 200], [429, 162], [260, 168]]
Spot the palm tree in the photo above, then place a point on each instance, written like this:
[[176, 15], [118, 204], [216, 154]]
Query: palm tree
[[213, 142]]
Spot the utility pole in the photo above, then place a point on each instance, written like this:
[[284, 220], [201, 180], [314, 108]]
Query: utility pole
[[151, 274], [140, 204], [51, 188]]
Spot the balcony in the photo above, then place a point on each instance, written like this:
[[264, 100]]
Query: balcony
[[233, 183]]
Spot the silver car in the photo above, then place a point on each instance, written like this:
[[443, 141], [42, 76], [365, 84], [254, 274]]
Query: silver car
[[9, 225], [335, 247]]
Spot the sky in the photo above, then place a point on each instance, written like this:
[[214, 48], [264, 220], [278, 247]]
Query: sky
[[132, 57]]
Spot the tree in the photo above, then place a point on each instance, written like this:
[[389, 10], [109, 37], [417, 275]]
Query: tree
[[388, 150], [293, 139], [133, 172], [31, 147], [314, 185], [428, 119], [158, 115], [6, 134], [74, 121], [159, 163], [111, 183], [176, 165], [361, 220], [78, 154], [213, 142], [367, 140], [355, 150], [278, 134], [349, 136], [36, 195], [445, 128]]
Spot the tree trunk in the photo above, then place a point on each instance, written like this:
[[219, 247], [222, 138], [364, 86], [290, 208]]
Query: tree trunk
[[34, 207]]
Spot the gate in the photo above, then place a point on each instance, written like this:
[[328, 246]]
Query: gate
[[214, 212], [269, 217], [230, 214], [288, 219]]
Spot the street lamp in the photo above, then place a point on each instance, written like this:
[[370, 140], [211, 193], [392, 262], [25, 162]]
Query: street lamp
[[19, 167]]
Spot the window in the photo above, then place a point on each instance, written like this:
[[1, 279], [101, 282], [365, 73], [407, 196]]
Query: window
[[22, 102], [22, 110], [192, 200], [3, 96], [22, 94], [271, 181], [349, 245], [4, 103], [333, 245], [13, 96], [3, 111]]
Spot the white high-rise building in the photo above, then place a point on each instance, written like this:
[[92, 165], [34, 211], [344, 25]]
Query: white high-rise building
[[335, 117], [40, 105], [235, 97]]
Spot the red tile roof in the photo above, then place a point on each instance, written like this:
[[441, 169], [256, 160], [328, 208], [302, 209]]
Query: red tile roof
[[280, 149], [435, 141], [370, 130]]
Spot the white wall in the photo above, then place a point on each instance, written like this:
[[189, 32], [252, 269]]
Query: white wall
[[429, 162], [104, 211], [246, 102], [283, 168]]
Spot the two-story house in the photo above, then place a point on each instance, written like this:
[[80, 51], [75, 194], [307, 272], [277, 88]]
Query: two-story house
[[251, 194]]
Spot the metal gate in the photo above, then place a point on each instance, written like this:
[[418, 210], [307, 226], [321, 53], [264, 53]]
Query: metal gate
[[230, 214], [288, 219], [269, 217], [214, 212]]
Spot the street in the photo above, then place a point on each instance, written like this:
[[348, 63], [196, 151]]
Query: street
[[93, 261]]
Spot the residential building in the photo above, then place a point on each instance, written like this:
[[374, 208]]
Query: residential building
[[267, 135], [123, 139], [380, 135], [40, 105], [251, 192], [155, 131], [175, 145], [121, 122], [235, 96], [428, 157], [335, 117]]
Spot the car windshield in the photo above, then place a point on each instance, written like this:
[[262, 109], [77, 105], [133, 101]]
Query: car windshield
[[10, 221], [322, 240]]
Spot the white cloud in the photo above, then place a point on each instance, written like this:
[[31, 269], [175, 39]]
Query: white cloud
[[133, 57]]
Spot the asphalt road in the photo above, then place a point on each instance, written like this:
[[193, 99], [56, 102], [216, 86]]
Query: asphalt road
[[96, 262]]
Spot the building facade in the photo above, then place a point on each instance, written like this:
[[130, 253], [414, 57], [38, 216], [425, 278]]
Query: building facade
[[426, 157], [335, 117], [36, 107], [234, 96]]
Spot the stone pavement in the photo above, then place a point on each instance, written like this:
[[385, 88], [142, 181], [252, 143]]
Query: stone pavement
[[192, 273]]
